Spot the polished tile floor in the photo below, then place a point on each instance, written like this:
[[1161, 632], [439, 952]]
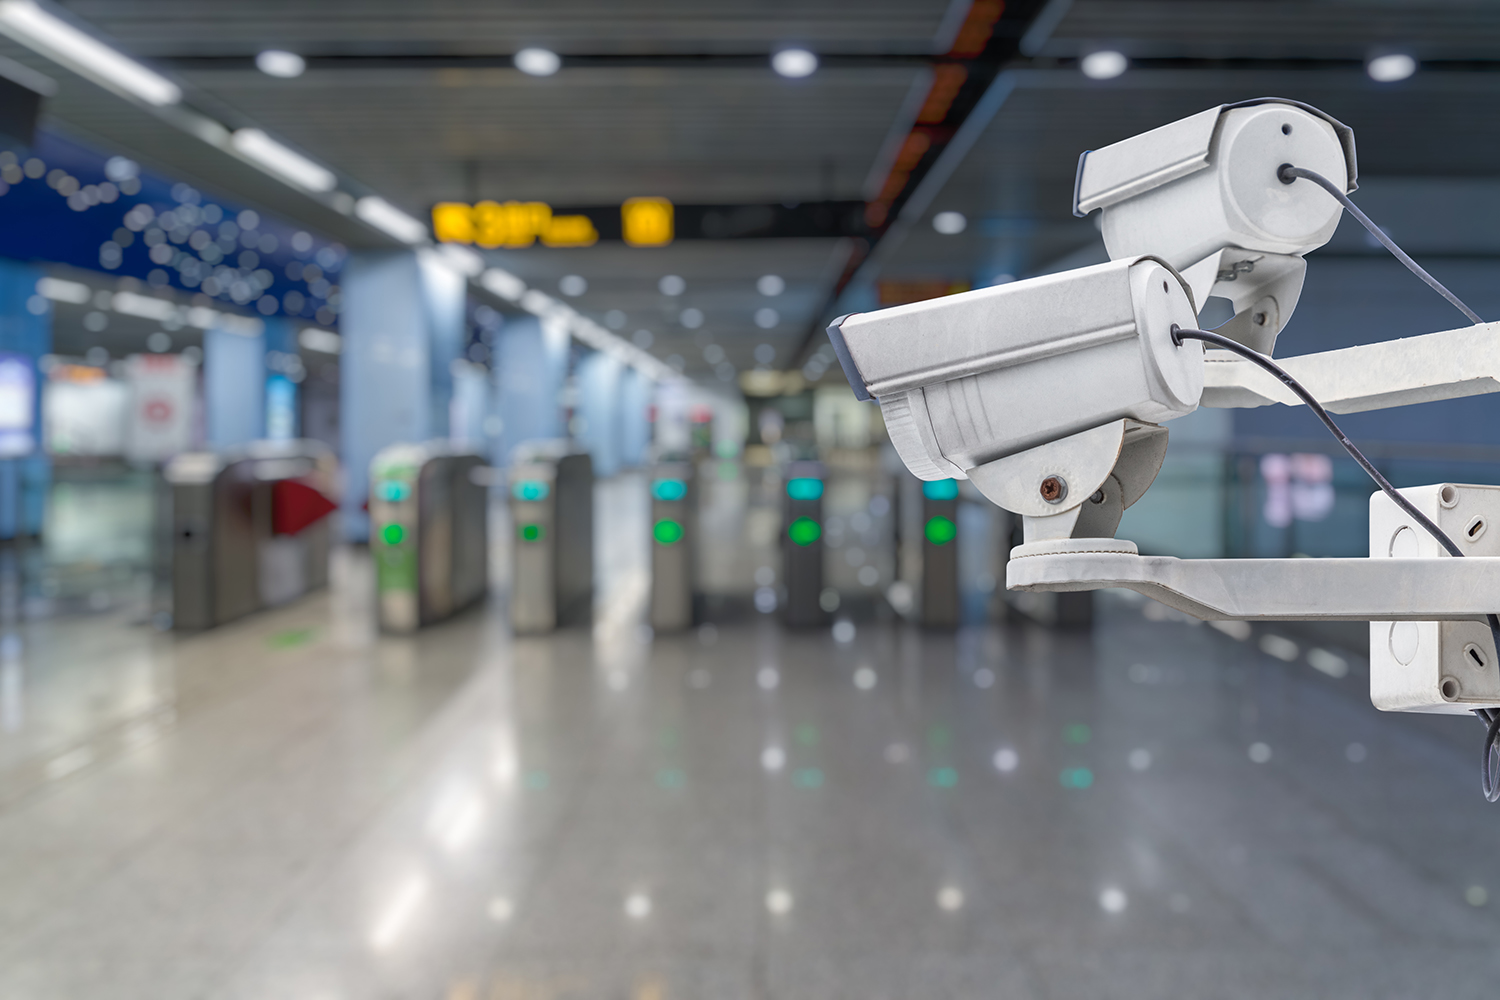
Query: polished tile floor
[[291, 808]]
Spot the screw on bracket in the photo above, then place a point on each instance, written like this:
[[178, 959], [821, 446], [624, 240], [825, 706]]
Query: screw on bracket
[[1054, 489]]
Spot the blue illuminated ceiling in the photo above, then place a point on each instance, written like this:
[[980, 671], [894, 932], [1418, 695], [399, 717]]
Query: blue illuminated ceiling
[[65, 203]]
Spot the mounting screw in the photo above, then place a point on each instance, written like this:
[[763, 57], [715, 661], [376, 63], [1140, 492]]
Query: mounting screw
[[1098, 496], [1054, 489]]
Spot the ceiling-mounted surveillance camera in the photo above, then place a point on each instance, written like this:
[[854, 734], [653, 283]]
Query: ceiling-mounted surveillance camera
[[983, 384], [1202, 193]]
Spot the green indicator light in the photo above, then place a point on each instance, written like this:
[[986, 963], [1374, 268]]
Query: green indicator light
[[942, 777], [667, 531], [940, 530], [669, 489], [531, 532], [804, 489], [530, 489], [1076, 777], [941, 489], [393, 534], [808, 777], [1076, 733], [804, 531], [394, 490]]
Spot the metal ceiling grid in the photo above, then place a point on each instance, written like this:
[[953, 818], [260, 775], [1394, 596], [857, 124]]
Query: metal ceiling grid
[[166, 28]]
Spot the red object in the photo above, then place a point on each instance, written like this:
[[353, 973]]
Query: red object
[[295, 505]]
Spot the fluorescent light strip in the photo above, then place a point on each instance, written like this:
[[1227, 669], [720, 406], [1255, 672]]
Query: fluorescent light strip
[[84, 54], [461, 257], [270, 155], [144, 306], [503, 283], [390, 220], [60, 290]]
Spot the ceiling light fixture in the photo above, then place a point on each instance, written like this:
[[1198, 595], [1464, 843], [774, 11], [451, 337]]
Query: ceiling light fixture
[[770, 285], [794, 63], [538, 62], [265, 152], [1104, 65], [950, 223], [1391, 67], [84, 54], [275, 62], [390, 220]]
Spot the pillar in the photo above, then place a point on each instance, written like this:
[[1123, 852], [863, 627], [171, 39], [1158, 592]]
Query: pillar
[[402, 327], [283, 396], [599, 406], [635, 417], [234, 383], [25, 335], [530, 362]]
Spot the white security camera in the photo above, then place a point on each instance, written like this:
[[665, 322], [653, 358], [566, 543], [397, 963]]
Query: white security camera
[[1070, 370], [1203, 195]]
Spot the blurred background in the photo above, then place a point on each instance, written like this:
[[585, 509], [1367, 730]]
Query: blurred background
[[441, 555]]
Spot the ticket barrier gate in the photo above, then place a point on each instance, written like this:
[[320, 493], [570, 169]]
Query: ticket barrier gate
[[940, 605], [802, 544], [429, 506], [249, 528], [674, 531], [552, 543]]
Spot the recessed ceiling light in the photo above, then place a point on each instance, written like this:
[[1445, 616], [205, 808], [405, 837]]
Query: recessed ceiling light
[[770, 285], [538, 62], [1104, 65], [275, 62], [794, 63], [766, 318], [672, 285], [1391, 67], [950, 223], [573, 285]]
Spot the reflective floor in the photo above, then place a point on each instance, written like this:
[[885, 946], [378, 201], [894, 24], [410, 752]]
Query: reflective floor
[[291, 807]]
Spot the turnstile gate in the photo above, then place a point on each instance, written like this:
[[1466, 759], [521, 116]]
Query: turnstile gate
[[674, 530], [429, 507], [249, 528], [552, 543], [802, 544]]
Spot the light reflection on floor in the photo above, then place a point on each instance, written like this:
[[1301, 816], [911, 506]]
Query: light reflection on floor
[[291, 807]]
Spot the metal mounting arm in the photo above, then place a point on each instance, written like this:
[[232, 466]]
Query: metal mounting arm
[[1266, 589], [1446, 365]]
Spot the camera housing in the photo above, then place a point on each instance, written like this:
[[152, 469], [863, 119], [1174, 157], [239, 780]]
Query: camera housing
[[968, 382], [1202, 194]]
